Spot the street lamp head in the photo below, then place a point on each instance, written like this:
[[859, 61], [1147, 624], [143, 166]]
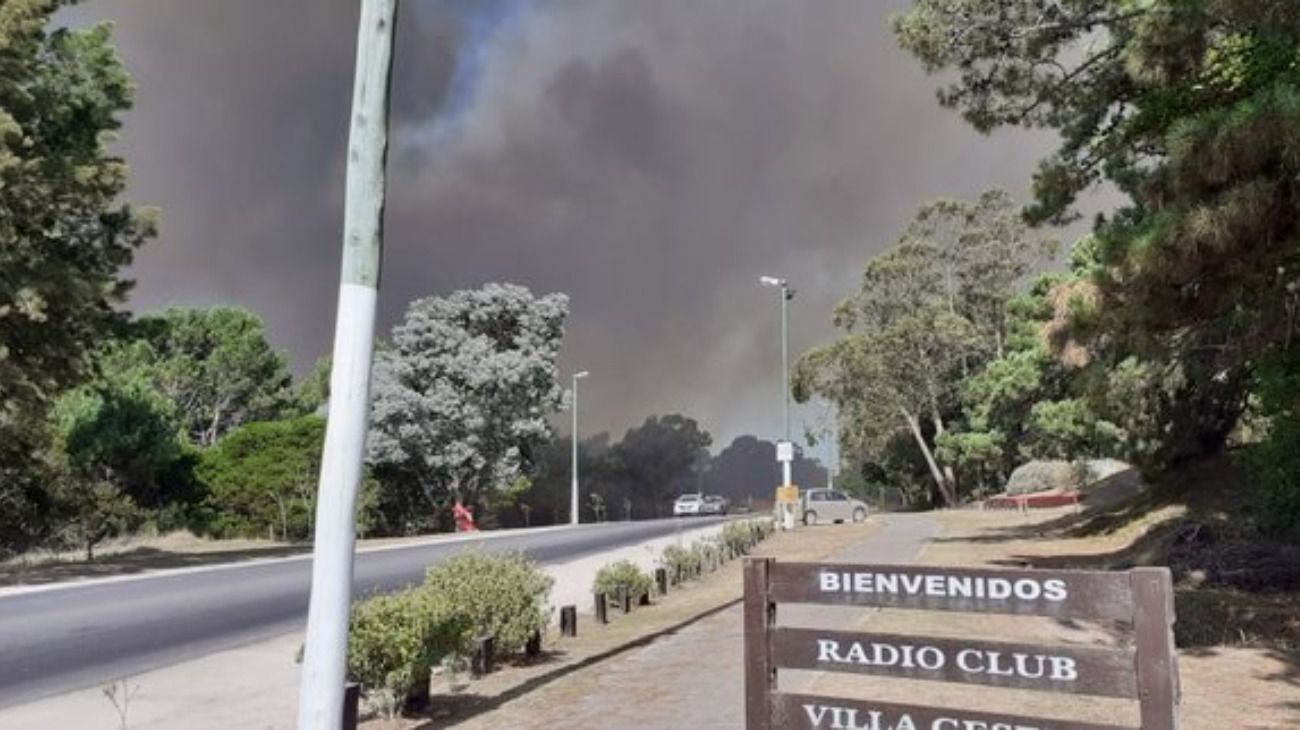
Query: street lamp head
[[582, 374], [771, 281]]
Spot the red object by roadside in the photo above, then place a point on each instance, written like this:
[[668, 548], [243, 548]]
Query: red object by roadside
[[463, 517]]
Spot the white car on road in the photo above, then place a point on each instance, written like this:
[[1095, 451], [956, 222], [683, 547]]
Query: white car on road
[[688, 505], [716, 505], [823, 506]]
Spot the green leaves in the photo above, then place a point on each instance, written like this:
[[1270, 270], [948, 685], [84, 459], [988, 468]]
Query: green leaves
[[464, 394], [623, 574], [64, 234], [261, 479], [216, 366], [502, 595]]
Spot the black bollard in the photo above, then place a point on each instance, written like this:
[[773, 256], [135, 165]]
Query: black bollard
[[661, 578], [568, 620], [483, 659], [533, 648], [601, 617], [351, 705]]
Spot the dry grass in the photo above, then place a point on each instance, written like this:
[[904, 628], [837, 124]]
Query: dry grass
[[137, 554]]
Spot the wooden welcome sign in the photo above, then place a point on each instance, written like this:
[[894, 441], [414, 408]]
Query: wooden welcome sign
[[1142, 598]]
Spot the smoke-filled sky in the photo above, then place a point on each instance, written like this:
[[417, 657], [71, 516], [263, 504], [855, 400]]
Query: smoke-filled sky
[[650, 159]]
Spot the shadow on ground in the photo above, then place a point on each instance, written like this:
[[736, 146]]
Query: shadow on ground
[[446, 711], [131, 562]]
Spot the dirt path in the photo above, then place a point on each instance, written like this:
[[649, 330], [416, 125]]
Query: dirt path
[[692, 678]]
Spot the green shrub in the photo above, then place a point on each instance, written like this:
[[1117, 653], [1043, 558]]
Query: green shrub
[[502, 595], [738, 537], [626, 574], [1274, 463], [706, 553], [394, 640], [680, 563]]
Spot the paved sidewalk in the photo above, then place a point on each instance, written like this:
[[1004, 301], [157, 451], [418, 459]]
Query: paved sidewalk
[[694, 677]]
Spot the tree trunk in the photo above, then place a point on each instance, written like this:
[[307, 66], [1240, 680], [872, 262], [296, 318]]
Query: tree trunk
[[940, 479]]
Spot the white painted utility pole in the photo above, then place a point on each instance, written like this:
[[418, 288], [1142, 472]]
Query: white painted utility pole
[[320, 700], [574, 516]]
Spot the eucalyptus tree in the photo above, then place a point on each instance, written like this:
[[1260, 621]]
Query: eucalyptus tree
[[463, 395], [929, 312], [216, 366]]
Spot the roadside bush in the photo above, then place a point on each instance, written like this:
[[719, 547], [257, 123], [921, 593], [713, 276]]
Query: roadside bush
[[681, 563], [394, 640], [624, 573], [760, 529], [502, 595], [738, 537], [706, 553]]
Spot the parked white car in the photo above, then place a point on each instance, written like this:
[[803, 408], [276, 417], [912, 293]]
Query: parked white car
[[716, 505], [823, 506], [688, 505]]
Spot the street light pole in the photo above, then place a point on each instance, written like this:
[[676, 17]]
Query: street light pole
[[786, 295], [784, 450], [785, 361], [573, 497], [320, 700]]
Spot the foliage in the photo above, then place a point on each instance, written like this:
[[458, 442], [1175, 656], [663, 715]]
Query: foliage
[[1192, 111], [979, 456], [216, 366], [394, 640], [681, 563], [706, 553], [1274, 463], [65, 235], [93, 510], [623, 574], [660, 456], [929, 311], [502, 595], [1069, 430], [313, 391], [462, 399], [120, 427], [739, 537], [747, 468], [261, 479]]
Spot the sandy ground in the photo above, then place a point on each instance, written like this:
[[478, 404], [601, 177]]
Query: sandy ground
[[1223, 687], [256, 686]]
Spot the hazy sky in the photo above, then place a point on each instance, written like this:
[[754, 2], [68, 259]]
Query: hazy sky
[[651, 159]]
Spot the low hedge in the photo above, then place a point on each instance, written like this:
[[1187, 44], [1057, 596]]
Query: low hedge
[[623, 574], [393, 642], [502, 595], [681, 563]]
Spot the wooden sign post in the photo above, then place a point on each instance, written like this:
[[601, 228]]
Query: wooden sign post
[[1142, 599]]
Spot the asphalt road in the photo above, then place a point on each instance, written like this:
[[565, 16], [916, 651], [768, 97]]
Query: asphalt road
[[79, 635]]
